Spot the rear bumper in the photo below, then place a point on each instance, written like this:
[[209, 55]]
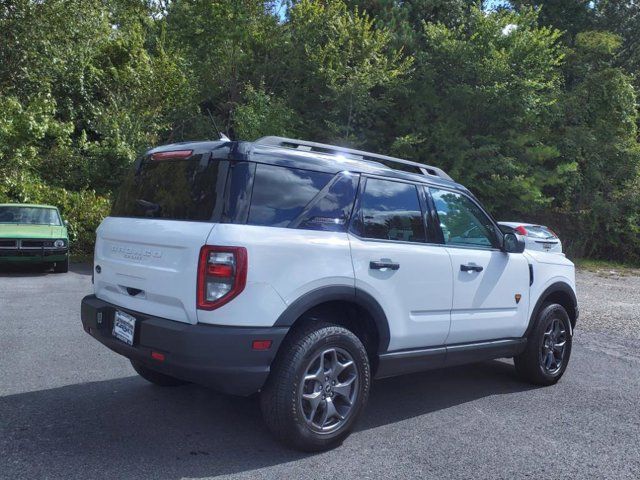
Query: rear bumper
[[219, 357]]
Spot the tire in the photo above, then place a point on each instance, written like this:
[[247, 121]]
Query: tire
[[61, 267], [155, 377], [288, 399], [541, 363]]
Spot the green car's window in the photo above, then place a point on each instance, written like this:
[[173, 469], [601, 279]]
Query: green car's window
[[29, 215]]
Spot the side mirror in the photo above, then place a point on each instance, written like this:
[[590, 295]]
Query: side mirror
[[512, 244], [66, 223]]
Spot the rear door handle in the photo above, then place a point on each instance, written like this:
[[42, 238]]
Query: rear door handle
[[471, 268], [380, 265]]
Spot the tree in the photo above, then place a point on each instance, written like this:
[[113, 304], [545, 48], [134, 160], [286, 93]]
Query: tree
[[480, 104], [340, 67], [599, 135]]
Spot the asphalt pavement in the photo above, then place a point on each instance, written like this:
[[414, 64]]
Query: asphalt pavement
[[70, 408]]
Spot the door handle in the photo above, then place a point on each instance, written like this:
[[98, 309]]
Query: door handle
[[471, 268], [380, 265]]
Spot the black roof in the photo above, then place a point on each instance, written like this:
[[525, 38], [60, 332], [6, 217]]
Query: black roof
[[323, 159]]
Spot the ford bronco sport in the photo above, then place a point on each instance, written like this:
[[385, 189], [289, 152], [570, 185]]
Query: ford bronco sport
[[302, 271]]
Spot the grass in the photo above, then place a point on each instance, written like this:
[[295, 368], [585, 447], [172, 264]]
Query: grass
[[605, 266]]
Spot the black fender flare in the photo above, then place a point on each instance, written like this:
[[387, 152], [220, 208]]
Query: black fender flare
[[556, 287], [339, 293]]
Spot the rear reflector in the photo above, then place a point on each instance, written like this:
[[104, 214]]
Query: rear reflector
[[157, 356], [173, 155], [261, 344]]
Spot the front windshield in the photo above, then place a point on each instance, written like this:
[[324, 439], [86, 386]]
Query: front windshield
[[29, 215]]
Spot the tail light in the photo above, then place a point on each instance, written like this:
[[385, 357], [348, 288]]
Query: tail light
[[222, 275], [520, 230]]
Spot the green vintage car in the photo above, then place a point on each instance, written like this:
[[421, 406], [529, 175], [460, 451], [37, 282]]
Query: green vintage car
[[33, 234]]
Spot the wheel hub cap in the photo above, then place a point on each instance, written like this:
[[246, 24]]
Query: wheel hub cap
[[553, 347], [328, 390]]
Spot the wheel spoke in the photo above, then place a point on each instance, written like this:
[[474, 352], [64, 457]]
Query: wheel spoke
[[560, 345], [549, 360], [329, 412], [333, 361], [314, 400], [343, 389], [318, 374]]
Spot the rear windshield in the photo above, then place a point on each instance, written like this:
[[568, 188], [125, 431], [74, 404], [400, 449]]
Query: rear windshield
[[538, 231], [174, 189]]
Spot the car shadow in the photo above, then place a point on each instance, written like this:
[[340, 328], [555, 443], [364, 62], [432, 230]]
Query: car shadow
[[125, 427], [24, 270], [40, 270]]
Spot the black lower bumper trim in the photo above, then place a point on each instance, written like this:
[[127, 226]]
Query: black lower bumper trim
[[34, 252], [219, 357]]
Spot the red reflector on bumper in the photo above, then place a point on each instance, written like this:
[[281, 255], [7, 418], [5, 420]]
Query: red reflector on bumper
[[261, 344], [157, 356]]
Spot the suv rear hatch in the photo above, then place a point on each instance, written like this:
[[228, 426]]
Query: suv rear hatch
[[147, 251]]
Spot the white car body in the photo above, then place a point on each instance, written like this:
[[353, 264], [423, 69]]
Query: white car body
[[537, 237], [160, 257], [219, 256]]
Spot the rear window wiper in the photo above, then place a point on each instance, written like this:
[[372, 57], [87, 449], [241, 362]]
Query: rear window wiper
[[150, 209]]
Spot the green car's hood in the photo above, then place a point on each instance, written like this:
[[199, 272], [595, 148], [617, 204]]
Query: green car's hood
[[20, 230]]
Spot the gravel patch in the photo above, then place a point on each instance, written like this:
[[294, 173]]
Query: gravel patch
[[609, 301]]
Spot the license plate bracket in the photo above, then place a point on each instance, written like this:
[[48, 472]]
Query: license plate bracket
[[124, 327]]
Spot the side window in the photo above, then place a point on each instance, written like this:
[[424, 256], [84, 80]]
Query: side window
[[331, 209], [390, 211], [280, 194], [461, 221]]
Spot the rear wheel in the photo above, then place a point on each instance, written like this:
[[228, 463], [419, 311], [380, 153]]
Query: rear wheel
[[318, 386], [61, 267], [154, 377], [548, 350]]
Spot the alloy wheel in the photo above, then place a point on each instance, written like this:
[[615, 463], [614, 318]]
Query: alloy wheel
[[553, 347], [328, 390]]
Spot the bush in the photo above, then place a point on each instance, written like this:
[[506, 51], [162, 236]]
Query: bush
[[83, 210]]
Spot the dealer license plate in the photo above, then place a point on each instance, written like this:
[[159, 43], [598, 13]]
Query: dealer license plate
[[124, 327]]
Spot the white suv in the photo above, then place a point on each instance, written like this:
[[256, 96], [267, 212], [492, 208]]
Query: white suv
[[302, 271]]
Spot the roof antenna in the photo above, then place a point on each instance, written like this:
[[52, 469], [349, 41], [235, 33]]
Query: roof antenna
[[222, 136]]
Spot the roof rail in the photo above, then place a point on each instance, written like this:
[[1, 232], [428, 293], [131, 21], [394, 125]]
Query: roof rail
[[389, 162]]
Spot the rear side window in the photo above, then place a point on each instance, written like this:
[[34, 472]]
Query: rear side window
[[331, 209], [174, 189], [280, 194], [390, 211]]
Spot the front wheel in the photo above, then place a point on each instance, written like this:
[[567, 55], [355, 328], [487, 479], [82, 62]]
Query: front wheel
[[317, 387], [548, 349]]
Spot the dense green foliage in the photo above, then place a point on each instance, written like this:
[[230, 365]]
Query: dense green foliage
[[533, 105]]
